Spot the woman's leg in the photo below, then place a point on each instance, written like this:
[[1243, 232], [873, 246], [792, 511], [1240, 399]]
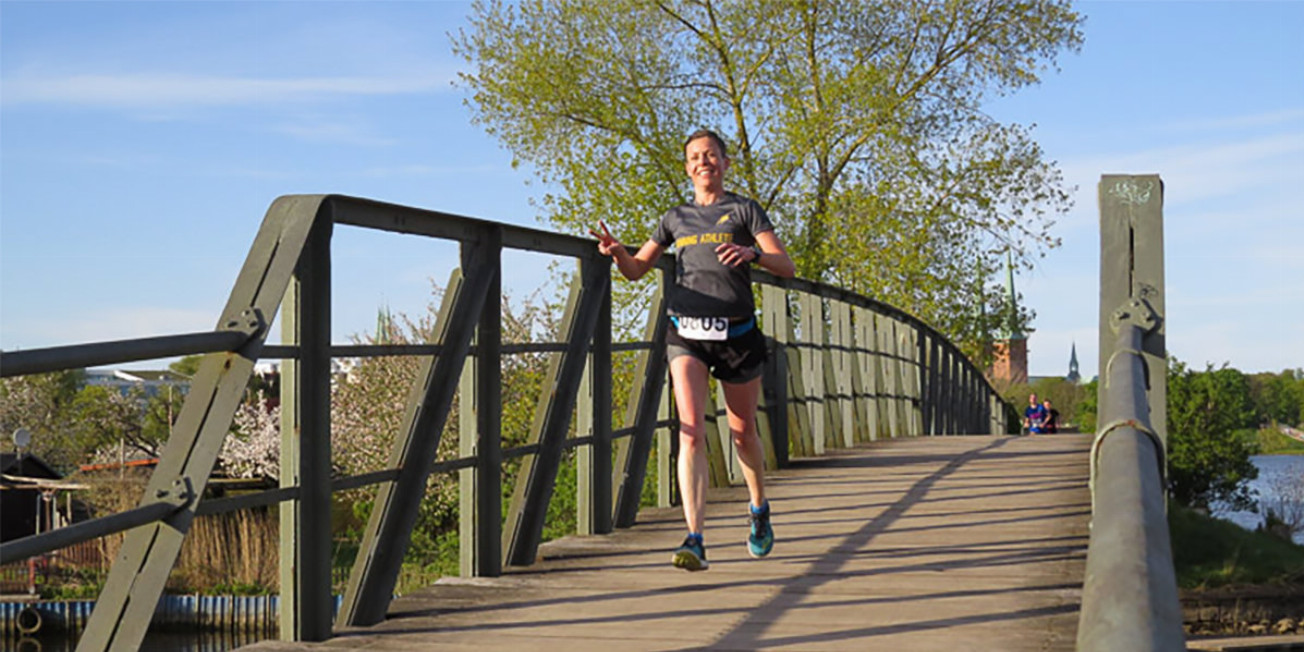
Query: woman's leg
[[691, 390], [740, 401]]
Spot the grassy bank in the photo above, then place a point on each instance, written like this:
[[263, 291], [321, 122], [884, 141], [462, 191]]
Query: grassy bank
[[1273, 442], [1210, 553]]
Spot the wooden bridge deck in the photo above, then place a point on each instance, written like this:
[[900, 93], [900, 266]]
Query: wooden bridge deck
[[943, 543]]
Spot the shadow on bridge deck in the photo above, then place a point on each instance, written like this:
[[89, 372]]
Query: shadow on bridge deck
[[947, 543]]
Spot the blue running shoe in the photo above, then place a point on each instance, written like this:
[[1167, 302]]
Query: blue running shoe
[[691, 556], [761, 538]]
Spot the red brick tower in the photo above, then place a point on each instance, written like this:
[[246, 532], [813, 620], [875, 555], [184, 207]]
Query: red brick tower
[[1010, 349]]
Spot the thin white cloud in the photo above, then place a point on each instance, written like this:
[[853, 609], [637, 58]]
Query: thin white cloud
[[419, 170], [1262, 300], [152, 91], [334, 132], [1276, 209], [1197, 172], [1258, 120]]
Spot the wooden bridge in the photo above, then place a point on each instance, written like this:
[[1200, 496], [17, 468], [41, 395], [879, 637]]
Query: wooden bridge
[[902, 522], [940, 543]]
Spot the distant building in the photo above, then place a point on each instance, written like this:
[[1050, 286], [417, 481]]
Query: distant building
[[27, 500], [1074, 376], [1010, 349], [152, 383]]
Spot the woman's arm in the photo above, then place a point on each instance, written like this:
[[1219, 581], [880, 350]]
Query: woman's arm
[[774, 257], [633, 267]]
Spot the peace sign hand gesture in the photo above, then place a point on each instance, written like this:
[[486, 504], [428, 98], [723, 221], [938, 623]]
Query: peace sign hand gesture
[[607, 243]]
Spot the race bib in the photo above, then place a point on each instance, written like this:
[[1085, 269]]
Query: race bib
[[704, 328]]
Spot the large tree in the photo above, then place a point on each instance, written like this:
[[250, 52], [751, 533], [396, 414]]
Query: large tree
[[859, 125], [1211, 425]]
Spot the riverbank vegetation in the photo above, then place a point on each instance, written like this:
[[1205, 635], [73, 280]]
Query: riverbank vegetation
[[1273, 442], [1209, 553], [1218, 418]]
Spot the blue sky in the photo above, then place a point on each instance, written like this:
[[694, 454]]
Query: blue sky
[[142, 142]]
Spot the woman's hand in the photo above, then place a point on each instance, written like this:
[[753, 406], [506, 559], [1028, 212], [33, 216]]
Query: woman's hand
[[734, 255], [607, 243]]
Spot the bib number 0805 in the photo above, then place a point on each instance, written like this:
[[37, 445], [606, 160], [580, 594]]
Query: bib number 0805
[[704, 328]]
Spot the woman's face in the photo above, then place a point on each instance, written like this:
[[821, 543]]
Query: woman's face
[[705, 163]]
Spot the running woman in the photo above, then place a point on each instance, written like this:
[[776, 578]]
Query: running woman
[[713, 331]]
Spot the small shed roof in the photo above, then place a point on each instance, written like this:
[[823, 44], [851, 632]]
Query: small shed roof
[[27, 465]]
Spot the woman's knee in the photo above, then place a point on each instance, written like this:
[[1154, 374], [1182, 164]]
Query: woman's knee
[[691, 435], [746, 438]]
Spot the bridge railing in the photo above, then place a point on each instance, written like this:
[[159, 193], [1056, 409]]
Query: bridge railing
[[1130, 599], [843, 369]]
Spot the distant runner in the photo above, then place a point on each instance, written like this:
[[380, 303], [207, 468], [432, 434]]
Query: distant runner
[[1034, 416], [1051, 423]]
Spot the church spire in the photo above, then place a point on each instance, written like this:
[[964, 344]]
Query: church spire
[[1073, 376], [384, 326], [1010, 328]]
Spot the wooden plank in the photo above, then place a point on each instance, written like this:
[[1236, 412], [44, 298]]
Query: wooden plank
[[914, 387], [872, 375], [891, 377], [125, 605], [667, 444], [718, 446], [306, 449], [778, 326], [812, 332], [860, 404], [632, 452], [728, 451], [529, 506], [593, 414], [374, 575], [801, 432], [765, 430]]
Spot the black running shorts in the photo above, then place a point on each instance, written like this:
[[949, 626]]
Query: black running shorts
[[735, 360]]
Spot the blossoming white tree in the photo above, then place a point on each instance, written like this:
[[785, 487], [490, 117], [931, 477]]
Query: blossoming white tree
[[253, 449]]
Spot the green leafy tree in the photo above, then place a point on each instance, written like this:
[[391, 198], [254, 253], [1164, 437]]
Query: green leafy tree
[[107, 421], [1211, 436], [1065, 396], [1087, 409], [160, 414], [858, 125], [1278, 398], [42, 404], [187, 366]]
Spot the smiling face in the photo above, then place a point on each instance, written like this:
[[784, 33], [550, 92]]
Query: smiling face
[[705, 163]]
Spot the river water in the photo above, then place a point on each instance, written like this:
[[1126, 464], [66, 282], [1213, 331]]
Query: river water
[[154, 642], [1281, 477]]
